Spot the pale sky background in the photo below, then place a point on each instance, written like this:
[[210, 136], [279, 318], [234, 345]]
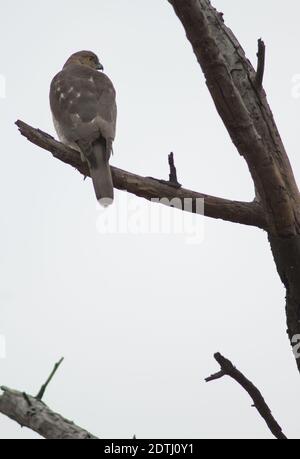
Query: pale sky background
[[139, 317]]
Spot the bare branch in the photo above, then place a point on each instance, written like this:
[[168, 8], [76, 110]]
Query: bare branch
[[245, 112], [228, 369], [42, 391], [146, 187], [173, 171], [243, 107], [215, 376], [34, 414], [261, 56]]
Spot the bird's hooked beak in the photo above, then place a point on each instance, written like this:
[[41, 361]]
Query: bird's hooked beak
[[100, 67]]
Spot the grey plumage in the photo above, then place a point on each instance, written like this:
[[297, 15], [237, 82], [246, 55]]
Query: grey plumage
[[97, 156], [84, 112]]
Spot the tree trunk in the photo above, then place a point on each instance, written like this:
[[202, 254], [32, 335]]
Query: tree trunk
[[241, 103]]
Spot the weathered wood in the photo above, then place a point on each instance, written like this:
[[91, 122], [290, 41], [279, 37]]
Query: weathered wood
[[244, 110], [286, 252], [241, 103], [247, 213], [228, 369], [243, 107], [34, 414]]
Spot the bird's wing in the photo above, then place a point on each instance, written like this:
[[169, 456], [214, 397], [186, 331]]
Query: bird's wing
[[83, 104]]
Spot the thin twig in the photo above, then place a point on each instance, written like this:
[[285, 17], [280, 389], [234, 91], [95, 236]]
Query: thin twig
[[227, 368], [261, 57], [42, 391], [173, 172], [218, 375]]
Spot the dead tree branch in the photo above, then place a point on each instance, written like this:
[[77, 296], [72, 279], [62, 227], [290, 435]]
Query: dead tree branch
[[31, 412], [227, 369], [42, 391], [247, 213], [261, 56], [173, 172], [34, 414], [236, 89], [245, 112], [243, 107]]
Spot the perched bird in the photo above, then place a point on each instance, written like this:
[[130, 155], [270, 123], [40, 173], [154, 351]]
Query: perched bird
[[83, 105]]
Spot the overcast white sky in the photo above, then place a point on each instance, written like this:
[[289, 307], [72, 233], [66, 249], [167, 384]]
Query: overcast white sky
[[139, 317]]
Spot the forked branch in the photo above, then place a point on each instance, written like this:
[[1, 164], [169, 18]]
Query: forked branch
[[228, 369]]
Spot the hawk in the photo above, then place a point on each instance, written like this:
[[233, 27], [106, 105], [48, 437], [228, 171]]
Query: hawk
[[83, 105]]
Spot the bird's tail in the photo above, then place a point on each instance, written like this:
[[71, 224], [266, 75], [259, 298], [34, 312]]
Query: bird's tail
[[102, 181], [98, 160]]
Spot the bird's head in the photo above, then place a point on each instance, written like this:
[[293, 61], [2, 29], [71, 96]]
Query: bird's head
[[87, 58]]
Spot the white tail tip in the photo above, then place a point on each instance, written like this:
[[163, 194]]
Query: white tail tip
[[105, 202]]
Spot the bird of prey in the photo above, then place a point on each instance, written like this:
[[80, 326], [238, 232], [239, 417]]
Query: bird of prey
[[83, 105]]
